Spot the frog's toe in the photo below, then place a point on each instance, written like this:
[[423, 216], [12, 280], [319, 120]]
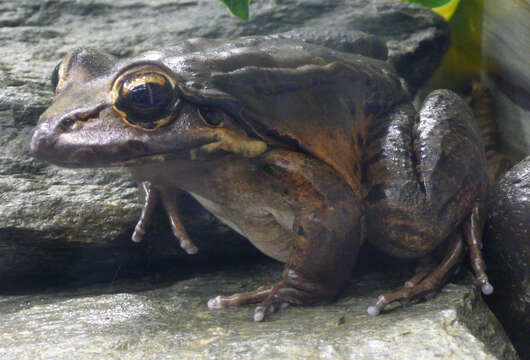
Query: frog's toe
[[237, 299], [473, 234], [276, 300], [138, 235], [262, 310], [188, 246]]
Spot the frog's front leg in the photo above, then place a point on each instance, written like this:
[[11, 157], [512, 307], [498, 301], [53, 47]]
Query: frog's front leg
[[150, 196], [326, 234], [169, 196], [427, 186]]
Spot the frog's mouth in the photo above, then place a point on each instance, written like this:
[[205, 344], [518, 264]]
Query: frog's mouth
[[224, 142], [196, 153]]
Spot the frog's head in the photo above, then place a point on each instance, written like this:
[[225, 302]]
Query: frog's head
[[108, 112]]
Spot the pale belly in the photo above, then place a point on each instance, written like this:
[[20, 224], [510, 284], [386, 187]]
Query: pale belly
[[267, 229]]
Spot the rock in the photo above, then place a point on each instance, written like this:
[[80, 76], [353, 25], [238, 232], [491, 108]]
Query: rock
[[506, 53], [61, 223], [507, 253], [159, 318], [356, 42]]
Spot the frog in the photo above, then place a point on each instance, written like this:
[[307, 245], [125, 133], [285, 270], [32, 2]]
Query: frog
[[306, 151]]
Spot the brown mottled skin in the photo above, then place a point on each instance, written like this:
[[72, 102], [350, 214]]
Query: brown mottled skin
[[301, 149]]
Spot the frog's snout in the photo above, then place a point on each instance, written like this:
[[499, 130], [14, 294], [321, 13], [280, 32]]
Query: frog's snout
[[41, 141]]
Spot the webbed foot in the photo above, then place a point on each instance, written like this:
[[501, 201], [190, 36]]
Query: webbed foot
[[427, 281], [271, 298]]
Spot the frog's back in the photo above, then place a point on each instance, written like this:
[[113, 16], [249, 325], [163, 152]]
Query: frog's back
[[291, 93]]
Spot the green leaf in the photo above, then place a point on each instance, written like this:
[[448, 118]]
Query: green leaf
[[446, 8], [431, 3], [238, 7]]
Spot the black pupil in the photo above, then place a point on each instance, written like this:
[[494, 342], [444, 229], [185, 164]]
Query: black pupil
[[148, 95]]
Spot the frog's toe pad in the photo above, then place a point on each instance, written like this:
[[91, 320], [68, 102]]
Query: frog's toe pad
[[215, 303], [284, 305], [372, 310], [189, 247], [487, 288], [259, 315], [268, 308], [137, 236]]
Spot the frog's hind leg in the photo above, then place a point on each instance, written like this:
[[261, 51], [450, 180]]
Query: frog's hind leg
[[426, 182], [428, 280], [473, 232], [325, 234]]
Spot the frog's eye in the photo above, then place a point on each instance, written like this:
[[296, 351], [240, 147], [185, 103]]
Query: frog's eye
[[55, 77], [146, 93], [146, 100]]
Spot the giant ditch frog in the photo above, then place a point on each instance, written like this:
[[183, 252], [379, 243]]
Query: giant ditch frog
[[305, 151]]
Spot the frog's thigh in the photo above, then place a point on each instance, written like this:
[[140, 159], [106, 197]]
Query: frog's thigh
[[424, 174]]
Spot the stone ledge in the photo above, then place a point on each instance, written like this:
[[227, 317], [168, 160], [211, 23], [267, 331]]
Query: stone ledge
[[170, 320]]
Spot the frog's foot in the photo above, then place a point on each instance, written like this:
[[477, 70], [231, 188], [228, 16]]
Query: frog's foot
[[270, 298], [427, 281], [169, 200]]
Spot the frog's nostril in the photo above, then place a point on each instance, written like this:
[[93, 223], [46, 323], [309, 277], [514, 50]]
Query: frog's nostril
[[66, 123]]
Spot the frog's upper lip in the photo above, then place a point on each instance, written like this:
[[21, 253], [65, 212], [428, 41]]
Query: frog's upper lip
[[88, 157]]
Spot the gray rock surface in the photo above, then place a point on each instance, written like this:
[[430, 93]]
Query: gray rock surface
[[161, 319], [61, 222], [507, 253]]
